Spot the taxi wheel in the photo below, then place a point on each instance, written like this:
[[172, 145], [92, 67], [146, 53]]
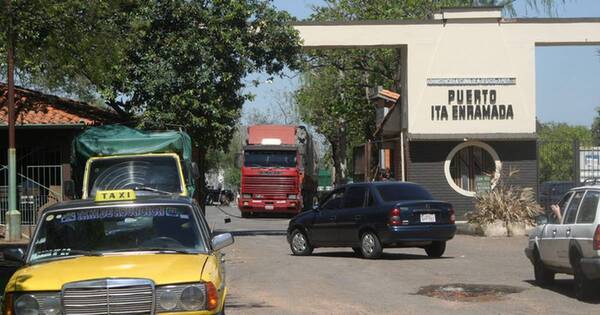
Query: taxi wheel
[[299, 244], [370, 246], [436, 249], [543, 276]]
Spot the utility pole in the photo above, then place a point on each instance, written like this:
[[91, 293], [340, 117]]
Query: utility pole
[[13, 217]]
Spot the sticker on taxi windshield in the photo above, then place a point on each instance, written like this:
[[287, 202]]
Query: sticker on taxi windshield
[[115, 195]]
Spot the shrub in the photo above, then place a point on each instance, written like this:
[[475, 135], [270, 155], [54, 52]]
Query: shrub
[[505, 203]]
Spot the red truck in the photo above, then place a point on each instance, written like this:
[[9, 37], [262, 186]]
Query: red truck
[[278, 170]]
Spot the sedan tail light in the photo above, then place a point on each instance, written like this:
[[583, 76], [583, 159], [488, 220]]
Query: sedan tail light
[[452, 217], [597, 238], [395, 217]]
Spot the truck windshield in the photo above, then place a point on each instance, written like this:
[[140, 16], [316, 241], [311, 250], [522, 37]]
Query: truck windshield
[[95, 232], [265, 158], [155, 172]]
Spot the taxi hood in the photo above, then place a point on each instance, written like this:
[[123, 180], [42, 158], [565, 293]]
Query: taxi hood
[[161, 268]]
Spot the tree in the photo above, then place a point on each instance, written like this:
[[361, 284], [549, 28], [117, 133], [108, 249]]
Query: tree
[[557, 143], [596, 128]]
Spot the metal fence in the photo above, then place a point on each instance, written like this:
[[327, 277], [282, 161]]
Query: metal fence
[[563, 165], [39, 181], [39, 186]]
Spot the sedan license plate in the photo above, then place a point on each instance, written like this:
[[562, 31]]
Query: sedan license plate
[[427, 217], [269, 207]]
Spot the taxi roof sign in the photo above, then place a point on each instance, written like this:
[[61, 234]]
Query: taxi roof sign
[[115, 195]]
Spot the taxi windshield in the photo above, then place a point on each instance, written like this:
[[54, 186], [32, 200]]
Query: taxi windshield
[[153, 172], [98, 231]]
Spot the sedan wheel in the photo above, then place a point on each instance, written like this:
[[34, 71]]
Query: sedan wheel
[[583, 286], [543, 276], [299, 244], [370, 245]]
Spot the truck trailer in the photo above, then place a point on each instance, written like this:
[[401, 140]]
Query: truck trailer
[[278, 170]]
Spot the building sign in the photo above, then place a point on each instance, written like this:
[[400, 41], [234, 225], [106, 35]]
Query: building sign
[[483, 184], [471, 81], [472, 104], [589, 163]]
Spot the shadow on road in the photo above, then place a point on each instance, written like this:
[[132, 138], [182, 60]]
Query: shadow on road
[[254, 232], [384, 256], [566, 287], [234, 302]]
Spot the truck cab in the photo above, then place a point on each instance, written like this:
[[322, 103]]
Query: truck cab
[[278, 172]]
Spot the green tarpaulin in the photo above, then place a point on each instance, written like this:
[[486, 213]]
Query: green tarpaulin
[[121, 140]]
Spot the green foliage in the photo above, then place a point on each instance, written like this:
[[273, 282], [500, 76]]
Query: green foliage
[[596, 128], [556, 149], [168, 64]]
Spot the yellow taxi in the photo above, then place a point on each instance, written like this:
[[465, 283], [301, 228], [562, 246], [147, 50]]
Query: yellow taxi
[[120, 254]]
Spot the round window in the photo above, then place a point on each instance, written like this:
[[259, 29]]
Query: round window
[[469, 162]]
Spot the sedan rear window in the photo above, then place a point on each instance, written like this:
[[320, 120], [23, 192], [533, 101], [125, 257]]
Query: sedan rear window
[[403, 192]]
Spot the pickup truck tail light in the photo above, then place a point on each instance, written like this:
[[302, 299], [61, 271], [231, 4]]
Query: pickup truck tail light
[[597, 238], [452, 217], [395, 217]]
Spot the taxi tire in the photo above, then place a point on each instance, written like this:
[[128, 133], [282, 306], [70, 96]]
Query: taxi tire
[[308, 249], [377, 249], [543, 275], [436, 249]]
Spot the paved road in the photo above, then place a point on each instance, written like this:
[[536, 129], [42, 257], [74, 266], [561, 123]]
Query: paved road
[[264, 278]]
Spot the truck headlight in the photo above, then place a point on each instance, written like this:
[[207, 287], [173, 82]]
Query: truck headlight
[[186, 297], [43, 303], [246, 196], [292, 197]]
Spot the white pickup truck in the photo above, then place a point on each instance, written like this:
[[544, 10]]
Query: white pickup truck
[[572, 245]]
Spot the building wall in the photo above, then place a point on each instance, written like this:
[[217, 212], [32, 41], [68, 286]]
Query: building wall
[[425, 166]]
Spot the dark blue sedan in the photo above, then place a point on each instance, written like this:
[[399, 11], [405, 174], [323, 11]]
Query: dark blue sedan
[[371, 216]]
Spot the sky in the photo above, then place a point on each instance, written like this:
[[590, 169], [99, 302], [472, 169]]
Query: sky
[[567, 78]]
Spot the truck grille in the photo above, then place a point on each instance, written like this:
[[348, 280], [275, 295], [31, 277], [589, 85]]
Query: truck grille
[[109, 296], [270, 186]]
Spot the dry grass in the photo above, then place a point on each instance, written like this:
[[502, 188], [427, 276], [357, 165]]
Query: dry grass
[[505, 203]]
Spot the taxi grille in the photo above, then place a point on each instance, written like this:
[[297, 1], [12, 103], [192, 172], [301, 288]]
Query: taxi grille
[[109, 296]]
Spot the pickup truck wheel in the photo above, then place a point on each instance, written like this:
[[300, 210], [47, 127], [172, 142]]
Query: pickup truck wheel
[[370, 246], [584, 287], [543, 276], [436, 249], [299, 244]]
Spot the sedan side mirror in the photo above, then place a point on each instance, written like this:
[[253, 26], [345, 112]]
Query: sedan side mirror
[[221, 241], [14, 254], [541, 219]]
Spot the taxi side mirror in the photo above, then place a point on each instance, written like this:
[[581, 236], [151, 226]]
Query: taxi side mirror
[[221, 241], [14, 254]]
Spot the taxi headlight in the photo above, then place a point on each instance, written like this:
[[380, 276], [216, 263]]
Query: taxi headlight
[[27, 304], [168, 299], [193, 298], [42, 303], [181, 298]]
